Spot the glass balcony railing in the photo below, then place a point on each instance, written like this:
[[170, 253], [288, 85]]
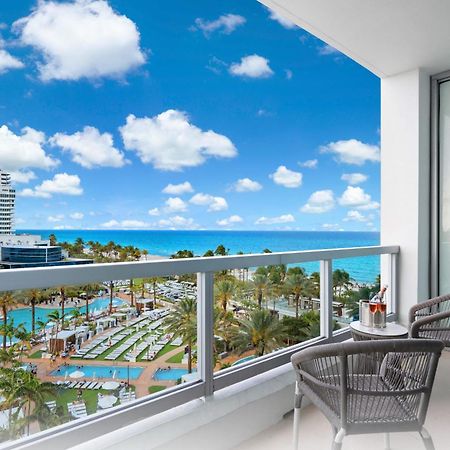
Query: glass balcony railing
[[139, 338]]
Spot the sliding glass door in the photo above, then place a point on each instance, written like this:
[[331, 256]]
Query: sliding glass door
[[440, 189]]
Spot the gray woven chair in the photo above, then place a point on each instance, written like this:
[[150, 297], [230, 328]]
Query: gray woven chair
[[431, 319], [368, 386]]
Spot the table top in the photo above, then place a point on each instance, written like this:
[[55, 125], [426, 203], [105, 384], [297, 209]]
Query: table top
[[391, 330]]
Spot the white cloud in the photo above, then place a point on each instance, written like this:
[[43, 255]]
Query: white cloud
[[178, 189], [22, 176], [175, 204], [77, 216], [154, 212], [177, 222], [230, 221], [56, 218], [90, 148], [319, 202], [226, 24], [133, 224], [23, 151], [7, 61], [289, 74], [287, 178], [326, 50], [97, 41], [354, 178], [169, 142], [213, 203], [352, 151], [357, 198], [355, 216], [286, 23], [252, 66], [62, 183], [331, 226], [284, 218], [246, 185], [309, 164], [370, 205]]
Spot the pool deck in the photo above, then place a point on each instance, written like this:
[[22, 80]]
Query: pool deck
[[45, 366]]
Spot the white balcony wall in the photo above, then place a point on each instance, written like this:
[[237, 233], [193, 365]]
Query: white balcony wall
[[405, 181]]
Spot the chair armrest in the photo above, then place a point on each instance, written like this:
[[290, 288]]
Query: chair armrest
[[419, 324], [426, 305]]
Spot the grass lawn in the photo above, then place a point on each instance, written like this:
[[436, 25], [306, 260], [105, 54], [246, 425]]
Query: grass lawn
[[154, 389], [64, 396], [176, 358], [36, 355]]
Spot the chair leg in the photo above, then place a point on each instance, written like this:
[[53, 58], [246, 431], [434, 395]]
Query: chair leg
[[426, 438], [337, 441], [297, 406], [387, 441]]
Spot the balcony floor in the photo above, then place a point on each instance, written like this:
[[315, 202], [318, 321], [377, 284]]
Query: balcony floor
[[315, 431]]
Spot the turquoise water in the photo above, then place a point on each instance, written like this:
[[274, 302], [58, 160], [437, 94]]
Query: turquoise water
[[116, 372], [23, 315], [165, 243], [169, 375], [243, 360]]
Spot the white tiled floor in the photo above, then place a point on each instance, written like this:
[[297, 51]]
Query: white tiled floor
[[315, 431]]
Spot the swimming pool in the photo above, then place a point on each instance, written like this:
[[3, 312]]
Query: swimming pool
[[243, 360], [116, 372], [170, 374], [23, 315]]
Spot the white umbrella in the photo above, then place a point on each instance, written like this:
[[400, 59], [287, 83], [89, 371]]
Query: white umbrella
[[77, 374], [110, 385], [107, 401]]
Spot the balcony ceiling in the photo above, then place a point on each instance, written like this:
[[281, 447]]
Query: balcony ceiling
[[385, 36]]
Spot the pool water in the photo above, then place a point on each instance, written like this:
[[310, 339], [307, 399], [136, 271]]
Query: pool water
[[116, 372], [23, 315], [169, 375], [243, 360]]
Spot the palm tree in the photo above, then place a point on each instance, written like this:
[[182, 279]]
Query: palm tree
[[154, 281], [54, 316], [33, 298], [41, 327], [298, 284], [224, 291], [62, 293], [261, 283], [182, 322], [111, 294], [6, 302], [261, 331], [224, 326]]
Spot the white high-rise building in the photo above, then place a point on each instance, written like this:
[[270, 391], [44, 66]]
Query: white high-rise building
[[7, 203]]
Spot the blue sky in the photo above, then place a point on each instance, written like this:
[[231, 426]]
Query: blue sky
[[174, 114]]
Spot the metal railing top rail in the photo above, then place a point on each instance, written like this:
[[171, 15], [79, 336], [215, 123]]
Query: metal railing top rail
[[42, 277]]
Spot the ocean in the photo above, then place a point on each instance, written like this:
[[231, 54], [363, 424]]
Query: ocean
[[165, 243]]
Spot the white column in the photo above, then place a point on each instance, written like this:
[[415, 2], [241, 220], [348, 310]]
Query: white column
[[405, 150]]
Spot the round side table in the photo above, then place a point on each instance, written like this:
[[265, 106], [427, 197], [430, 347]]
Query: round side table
[[363, 333]]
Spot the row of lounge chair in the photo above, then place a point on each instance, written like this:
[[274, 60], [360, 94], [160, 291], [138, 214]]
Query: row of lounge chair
[[126, 395], [80, 384], [126, 345], [77, 409]]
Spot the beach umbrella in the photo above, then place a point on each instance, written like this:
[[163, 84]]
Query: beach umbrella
[[107, 401], [110, 385], [77, 374]]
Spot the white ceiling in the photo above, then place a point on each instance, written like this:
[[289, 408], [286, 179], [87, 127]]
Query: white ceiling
[[385, 36]]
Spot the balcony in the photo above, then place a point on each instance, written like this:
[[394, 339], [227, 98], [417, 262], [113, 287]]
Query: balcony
[[213, 395]]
